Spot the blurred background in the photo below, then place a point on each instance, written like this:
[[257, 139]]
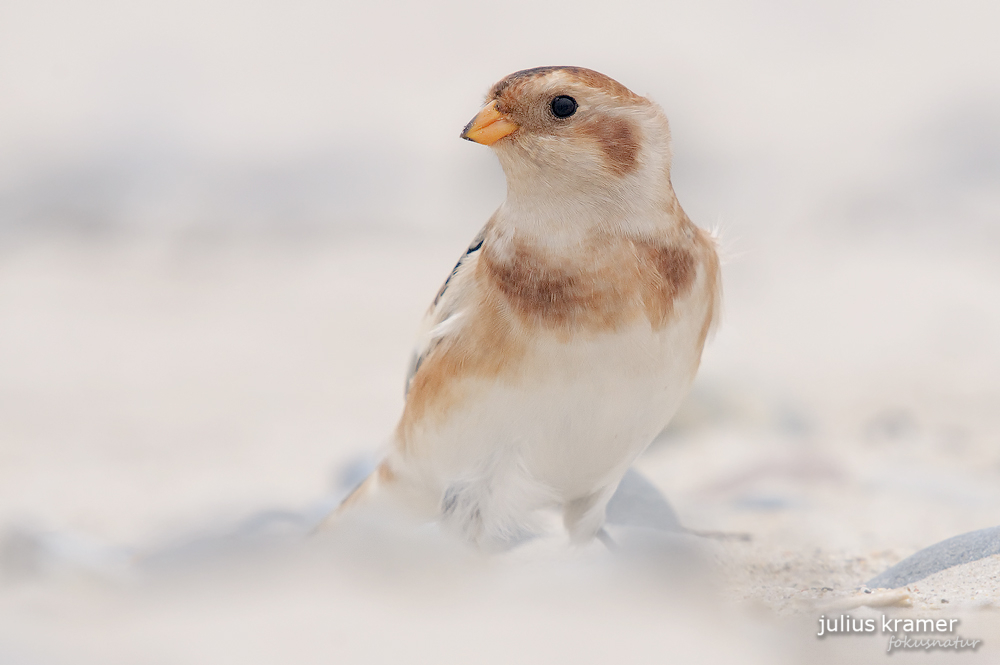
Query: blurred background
[[221, 222]]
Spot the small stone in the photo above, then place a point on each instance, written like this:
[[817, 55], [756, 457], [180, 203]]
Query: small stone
[[954, 551]]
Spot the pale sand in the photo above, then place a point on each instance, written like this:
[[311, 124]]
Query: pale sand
[[155, 394]]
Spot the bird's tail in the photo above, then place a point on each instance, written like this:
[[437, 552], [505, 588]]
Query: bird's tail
[[365, 490]]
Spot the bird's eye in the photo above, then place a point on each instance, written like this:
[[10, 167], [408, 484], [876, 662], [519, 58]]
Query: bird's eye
[[563, 106]]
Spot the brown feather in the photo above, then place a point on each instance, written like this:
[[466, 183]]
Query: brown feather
[[618, 140]]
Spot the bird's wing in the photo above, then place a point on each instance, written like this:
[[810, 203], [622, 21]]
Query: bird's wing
[[446, 312]]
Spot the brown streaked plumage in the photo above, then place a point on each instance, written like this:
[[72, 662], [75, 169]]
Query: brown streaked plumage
[[609, 282], [489, 346], [565, 337]]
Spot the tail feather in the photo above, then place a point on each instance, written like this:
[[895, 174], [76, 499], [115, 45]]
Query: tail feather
[[366, 489]]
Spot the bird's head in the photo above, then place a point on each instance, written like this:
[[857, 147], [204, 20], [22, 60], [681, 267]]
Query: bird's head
[[575, 134]]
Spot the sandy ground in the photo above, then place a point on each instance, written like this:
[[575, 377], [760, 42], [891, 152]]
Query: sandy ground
[[155, 395], [220, 224]]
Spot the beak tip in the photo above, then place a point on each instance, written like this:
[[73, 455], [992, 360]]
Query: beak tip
[[465, 130], [489, 126]]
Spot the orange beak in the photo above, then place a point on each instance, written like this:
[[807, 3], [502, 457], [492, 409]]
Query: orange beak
[[489, 126]]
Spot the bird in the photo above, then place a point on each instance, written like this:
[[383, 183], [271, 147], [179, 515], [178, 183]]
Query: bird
[[567, 334]]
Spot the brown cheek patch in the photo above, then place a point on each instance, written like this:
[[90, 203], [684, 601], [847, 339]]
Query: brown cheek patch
[[617, 140]]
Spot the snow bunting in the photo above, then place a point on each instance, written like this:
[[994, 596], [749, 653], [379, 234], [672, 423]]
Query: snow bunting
[[569, 331]]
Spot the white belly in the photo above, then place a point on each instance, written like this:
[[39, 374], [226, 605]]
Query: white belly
[[582, 413], [568, 425]]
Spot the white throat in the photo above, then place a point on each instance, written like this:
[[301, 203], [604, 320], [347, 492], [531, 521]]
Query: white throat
[[562, 215]]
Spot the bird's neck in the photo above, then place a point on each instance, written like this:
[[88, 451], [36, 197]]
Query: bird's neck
[[543, 215]]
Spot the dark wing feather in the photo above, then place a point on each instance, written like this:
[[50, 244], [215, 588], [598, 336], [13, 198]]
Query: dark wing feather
[[438, 312]]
